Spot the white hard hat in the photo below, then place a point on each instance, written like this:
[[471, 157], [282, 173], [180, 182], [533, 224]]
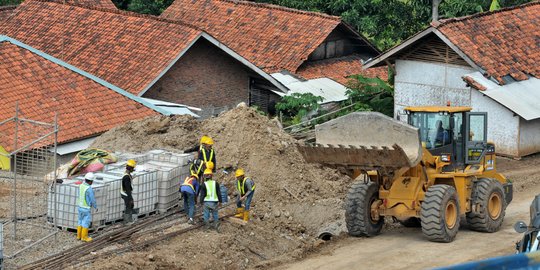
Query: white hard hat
[[90, 176]]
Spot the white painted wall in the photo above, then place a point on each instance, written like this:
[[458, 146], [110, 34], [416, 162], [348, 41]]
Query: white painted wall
[[529, 137], [430, 84], [503, 126]]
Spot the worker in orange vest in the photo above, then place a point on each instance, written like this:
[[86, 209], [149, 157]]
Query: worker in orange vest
[[189, 190]]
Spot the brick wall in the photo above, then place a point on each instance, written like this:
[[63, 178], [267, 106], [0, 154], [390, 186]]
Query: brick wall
[[204, 77]]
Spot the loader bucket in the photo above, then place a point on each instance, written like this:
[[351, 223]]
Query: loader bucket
[[365, 140]]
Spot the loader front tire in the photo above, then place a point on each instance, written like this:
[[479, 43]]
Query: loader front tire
[[440, 214], [358, 215], [488, 206]]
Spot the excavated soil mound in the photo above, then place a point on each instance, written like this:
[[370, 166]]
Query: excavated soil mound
[[293, 201]]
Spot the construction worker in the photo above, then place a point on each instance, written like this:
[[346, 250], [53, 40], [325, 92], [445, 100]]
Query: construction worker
[[211, 197], [126, 190], [246, 189], [197, 165], [206, 152], [189, 189], [85, 202]]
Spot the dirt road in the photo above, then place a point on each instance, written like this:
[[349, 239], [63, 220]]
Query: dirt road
[[405, 248]]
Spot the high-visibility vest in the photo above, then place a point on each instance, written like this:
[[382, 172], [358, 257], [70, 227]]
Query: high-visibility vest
[[122, 191], [211, 155], [241, 186], [189, 182], [81, 201], [211, 193]]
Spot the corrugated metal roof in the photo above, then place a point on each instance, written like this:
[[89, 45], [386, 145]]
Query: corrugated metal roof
[[75, 146], [521, 97], [173, 108], [328, 89]]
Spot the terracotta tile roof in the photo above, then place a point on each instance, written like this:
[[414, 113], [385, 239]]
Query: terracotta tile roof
[[105, 4], [43, 86], [126, 49], [473, 83], [504, 42], [6, 11], [271, 37], [339, 69]]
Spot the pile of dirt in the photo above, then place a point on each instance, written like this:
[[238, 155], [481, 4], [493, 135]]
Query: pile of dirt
[[293, 201]]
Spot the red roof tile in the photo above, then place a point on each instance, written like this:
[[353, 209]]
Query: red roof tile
[[6, 11], [339, 69], [41, 87], [126, 49], [503, 42], [272, 37]]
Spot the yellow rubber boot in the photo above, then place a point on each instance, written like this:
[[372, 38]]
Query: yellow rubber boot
[[79, 232], [239, 212], [246, 215], [85, 236]]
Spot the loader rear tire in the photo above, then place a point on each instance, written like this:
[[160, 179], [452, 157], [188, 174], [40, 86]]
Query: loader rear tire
[[490, 205], [440, 214], [358, 210]]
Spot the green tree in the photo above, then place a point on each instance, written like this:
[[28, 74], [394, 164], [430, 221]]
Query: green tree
[[371, 94], [296, 105]]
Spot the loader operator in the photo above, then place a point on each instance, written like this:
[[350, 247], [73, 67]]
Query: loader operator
[[442, 137], [126, 190], [246, 189], [85, 201]]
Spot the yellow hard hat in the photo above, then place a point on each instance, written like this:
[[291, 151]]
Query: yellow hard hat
[[208, 171], [210, 165], [209, 141], [203, 139], [239, 172], [131, 163]]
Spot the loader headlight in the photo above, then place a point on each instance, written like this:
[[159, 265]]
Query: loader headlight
[[445, 158]]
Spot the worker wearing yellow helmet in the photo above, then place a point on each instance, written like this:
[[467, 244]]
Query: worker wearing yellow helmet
[[207, 153], [246, 189], [126, 189], [211, 198]]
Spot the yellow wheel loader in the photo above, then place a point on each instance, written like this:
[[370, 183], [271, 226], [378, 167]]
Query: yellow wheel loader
[[428, 172]]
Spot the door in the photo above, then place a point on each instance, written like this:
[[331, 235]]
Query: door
[[476, 136]]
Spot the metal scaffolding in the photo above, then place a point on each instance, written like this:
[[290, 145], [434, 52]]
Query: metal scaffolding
[[33, 172]]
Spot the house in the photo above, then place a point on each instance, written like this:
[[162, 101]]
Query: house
[[488, 61], [42, 85], [305, 51], [147, 56]]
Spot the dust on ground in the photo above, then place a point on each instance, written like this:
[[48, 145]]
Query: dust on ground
[[283, 226]]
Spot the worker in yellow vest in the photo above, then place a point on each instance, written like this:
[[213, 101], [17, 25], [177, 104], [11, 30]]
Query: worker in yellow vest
[[211, 197], [126, 190], [246, 189], [85, 202], [207, 153], [189, 189]]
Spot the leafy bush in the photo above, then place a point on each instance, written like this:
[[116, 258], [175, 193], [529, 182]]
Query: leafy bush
[[372, 94], [296, 106]]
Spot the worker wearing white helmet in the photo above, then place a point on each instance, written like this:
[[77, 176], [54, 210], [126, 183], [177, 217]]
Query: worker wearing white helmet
[[85, 202], [126, 190]]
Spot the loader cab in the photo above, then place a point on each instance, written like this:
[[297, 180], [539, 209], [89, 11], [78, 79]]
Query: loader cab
[[456, 134]]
